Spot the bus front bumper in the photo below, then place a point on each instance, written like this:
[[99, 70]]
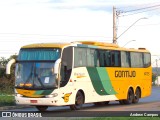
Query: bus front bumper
[[39, 101]]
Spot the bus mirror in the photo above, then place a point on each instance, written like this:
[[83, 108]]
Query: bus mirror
[[8, 66], [56, 66]]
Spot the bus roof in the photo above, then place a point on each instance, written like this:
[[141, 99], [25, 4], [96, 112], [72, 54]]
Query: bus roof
[[46, 45], [101, 45], [104, 45]]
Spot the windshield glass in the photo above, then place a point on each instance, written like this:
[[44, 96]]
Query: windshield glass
[[35, 75], [39, 54]]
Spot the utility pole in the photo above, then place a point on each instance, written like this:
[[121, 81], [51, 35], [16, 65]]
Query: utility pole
[[115, 17], [114, 26]]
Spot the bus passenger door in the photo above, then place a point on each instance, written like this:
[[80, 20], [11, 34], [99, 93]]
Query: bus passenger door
[[66, 65]]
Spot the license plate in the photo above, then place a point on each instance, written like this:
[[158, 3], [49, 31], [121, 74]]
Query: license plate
[[33, 101]]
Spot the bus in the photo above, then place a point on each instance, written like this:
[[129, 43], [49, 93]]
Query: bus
[[72, 74]]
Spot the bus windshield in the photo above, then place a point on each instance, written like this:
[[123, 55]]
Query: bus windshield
[[35, 68], [35, 75]]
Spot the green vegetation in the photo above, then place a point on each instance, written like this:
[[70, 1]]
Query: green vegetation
[[154, 76], [6, 100], [6, 83]]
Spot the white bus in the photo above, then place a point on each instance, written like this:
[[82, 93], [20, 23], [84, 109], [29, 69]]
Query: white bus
[[80, 72]]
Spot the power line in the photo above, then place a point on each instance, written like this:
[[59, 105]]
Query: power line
[[142, 8], [137, 11]]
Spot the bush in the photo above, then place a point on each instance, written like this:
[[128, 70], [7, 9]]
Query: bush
[[6, 100], [7, 81]]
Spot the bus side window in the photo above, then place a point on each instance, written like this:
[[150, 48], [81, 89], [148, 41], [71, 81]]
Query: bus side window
[[115, 59], [112, 59], [96, 59], [136, 59], [146, 59], [101, 58], [108, 58], [125, 59]]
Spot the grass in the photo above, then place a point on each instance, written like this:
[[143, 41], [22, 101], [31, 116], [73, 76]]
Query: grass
[[122, 118], [6, 100]]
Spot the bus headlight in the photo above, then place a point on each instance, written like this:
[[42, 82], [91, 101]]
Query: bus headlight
[[18, 95], [52, 95]]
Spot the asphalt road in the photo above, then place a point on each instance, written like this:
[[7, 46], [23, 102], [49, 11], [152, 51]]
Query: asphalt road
[[155, 95]]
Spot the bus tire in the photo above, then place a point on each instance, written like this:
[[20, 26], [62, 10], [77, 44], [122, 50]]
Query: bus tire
[[130, 97], [106, 102], [42, 108], [121, 102], [101, 103], [137, 95], [78, 101]]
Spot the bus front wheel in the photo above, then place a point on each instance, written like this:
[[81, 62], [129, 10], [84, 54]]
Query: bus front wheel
[[42, 108], [78, 101]]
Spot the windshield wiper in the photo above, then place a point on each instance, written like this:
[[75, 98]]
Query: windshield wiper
[[34, 75], [39, 80]]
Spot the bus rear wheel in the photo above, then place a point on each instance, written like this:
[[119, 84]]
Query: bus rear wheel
[[130, 97], [42, 108], [121, 102], [137, 96], [78, 101]]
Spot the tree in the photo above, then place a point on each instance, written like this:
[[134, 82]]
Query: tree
[[7, 81], [154, 76]]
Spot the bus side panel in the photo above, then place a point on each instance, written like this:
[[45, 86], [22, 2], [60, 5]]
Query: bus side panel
[[93, 82], [124, 78]]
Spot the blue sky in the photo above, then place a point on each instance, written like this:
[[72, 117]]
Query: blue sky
[[38, 21]]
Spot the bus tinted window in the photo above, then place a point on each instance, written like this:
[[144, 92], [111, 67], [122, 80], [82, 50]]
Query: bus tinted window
[[102, 58], [147, 59], [109, 58], [116, 59], [136, 59], [85, 57], [90, 57], [125, 59], [80, 58]]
